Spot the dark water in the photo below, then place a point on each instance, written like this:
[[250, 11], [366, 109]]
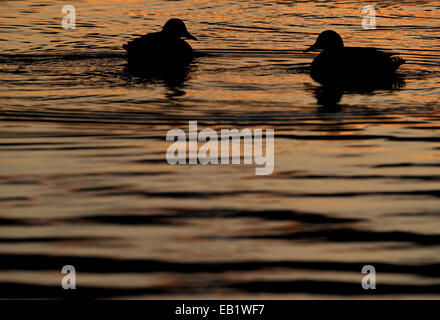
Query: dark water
[[84, 180]]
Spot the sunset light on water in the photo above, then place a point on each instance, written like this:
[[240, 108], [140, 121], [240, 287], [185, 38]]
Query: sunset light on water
[[85, 180]]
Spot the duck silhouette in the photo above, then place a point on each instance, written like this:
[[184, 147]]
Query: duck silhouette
[[161, 50], [351, 66]]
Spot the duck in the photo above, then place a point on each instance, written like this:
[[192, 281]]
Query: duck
[[351, 66], [163, 49]]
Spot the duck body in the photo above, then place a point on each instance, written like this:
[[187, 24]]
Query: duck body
[[161, 50], [157, 50], [351, 66]]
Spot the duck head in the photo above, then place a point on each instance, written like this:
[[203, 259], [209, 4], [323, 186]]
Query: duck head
[[177, 28], [328, 39]]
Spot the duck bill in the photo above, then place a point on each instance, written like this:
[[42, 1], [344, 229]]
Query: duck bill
[[311, 48], [190, 36]]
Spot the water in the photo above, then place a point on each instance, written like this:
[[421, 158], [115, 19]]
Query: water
[[84, 181]]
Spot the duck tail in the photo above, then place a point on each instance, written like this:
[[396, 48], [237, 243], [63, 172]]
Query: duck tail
[[397, 62], [128, 46]]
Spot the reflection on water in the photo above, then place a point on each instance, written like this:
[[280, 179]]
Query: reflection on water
[[172, 79], [84, 180], [329, 96]]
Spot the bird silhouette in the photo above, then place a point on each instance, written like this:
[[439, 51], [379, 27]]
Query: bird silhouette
[[161, 50], [351, 66]]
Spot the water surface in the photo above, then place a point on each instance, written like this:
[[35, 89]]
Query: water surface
[[84, 180]]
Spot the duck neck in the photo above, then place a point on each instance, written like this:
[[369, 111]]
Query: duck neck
[[170, 34]]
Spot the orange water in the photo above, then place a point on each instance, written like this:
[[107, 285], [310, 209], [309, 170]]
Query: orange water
[[84, 181]]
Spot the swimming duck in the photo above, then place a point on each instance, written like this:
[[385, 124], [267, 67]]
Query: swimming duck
[[352, 66], [164, 49]]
